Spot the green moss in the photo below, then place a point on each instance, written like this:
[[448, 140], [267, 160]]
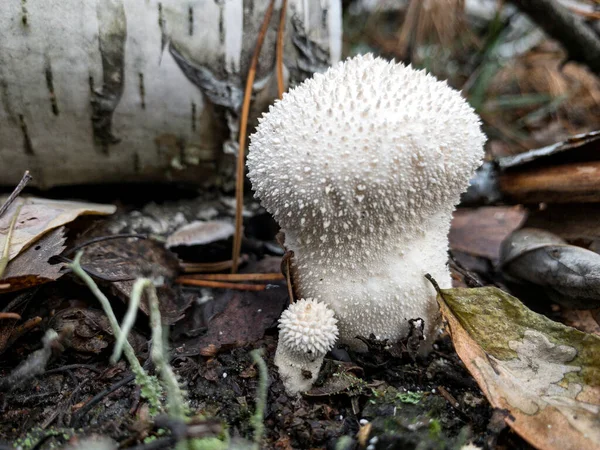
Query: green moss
[[494, 318], [211, 443], [31, 439], [410, 397], [435, 429]]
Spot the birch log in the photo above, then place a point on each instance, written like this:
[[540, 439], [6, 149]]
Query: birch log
[[102, 91]]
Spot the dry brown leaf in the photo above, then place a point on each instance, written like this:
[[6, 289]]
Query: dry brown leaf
[[31, 267], [92, 331], [587, 320], [124, 260], [39, 215], [244, 318], [480, 231], [545, 373]]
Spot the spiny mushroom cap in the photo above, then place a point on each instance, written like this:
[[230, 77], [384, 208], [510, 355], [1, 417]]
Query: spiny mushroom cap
[[363, 149], [308, 326]]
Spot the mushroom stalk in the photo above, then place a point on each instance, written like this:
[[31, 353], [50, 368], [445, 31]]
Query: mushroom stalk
[[376, 286]]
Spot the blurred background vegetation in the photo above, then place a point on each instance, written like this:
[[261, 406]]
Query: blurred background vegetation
[[519, 80]]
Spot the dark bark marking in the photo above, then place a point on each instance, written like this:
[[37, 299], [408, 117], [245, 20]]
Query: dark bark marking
[[136, 163], [142, 91], [191, 21], [50, 86], [193, 116], [24, 17], [112, 35], [5, 98], [162, 25], [221, 24], [27, 146]]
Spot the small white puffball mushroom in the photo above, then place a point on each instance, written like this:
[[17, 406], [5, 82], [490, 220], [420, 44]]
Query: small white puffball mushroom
[[307, 331], [362, 167]]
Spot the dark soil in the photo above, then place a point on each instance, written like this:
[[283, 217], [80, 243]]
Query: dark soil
[[385, 398], [391, 402]]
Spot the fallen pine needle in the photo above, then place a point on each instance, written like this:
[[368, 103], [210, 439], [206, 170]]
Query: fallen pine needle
[[210, 267], [239, 177], [238, 277], [279, 49], [9, 315], [221, 284], [286, 268]]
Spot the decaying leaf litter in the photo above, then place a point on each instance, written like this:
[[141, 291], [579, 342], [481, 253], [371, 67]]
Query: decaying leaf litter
[[63, 389]]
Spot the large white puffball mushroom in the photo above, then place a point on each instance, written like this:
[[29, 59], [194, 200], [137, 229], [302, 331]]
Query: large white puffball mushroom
[[307, 331], [362, 167]]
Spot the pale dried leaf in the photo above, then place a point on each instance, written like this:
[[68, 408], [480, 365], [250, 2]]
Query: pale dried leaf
[[545, 373], [39, 215]]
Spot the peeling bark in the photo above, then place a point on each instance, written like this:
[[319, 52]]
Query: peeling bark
[[112, 34]]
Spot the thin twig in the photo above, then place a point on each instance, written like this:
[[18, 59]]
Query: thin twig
[[238, 277], [71, 367], [239, 177], [76, 419], [279, 50], [15, 193], [288, 280], [6, 252], [221, 284], [210, 267], [448, 396]]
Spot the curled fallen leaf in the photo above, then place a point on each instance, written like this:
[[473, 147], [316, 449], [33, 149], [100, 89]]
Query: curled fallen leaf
[[31, 267], [38, 216], [545, 373], [569, 275]]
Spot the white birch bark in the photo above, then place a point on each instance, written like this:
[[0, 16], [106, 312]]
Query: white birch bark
[[100, 91]]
